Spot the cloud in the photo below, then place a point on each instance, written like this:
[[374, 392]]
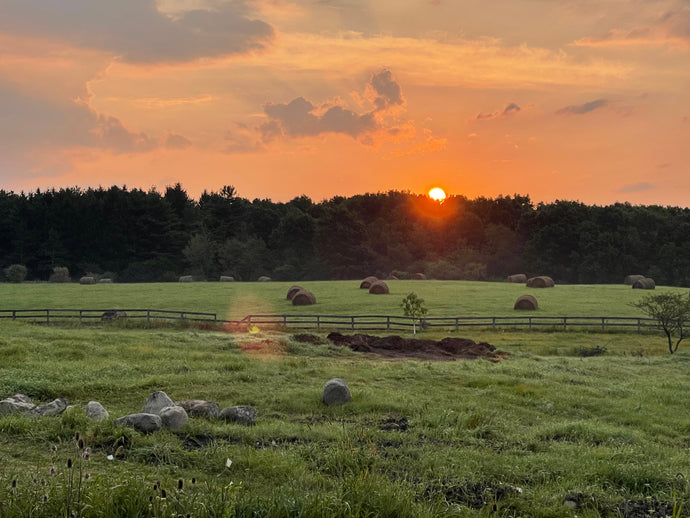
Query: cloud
[[636, 187], [29, 121], [301, 118], [670, 29], [136, 31], [174, 141], [581, 109], [509, 110]]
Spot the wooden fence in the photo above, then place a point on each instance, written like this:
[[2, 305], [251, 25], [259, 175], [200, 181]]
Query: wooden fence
[[336, 322]]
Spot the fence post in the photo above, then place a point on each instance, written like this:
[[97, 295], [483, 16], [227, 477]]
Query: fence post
[[352, 319], [639, 326], [318, 322], [285, 320], [457, 323], [493, 322], [529, 323], [565, 323], [47, 317], [80, 316], [148, 316], [603, 324], [14, 314]]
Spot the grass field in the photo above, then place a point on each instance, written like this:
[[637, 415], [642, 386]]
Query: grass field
[[234, 301], [548, 432]]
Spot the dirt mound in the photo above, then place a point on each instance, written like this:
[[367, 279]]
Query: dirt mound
[[398, 347]]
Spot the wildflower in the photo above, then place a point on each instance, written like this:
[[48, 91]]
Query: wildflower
[[180, 483], [69, 463], [52, 470], [110, 457], [228, 463], [193, 480], [54, 447], [80, 444], [45, 498], [163, 493], [14, 482], [43, 482], [87, 476], [86, 455]]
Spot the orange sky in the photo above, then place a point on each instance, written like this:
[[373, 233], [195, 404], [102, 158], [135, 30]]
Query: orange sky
[[555, 99]]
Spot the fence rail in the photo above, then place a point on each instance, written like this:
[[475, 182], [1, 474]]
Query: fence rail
[[341, 322]]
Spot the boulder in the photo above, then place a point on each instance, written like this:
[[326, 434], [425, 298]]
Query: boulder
[[200, 408], [52, 409], [15, 404], [335, 392], [157, 402], [96, 411], [242, 414], [143, 422], [173, 417]]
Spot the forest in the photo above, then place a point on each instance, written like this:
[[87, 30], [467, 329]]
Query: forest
[[132, 235]]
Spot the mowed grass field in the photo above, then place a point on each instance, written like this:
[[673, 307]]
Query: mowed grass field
[[548, 432], [234, 301]]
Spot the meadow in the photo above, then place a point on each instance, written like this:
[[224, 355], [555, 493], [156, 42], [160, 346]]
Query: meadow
[[589, 424]]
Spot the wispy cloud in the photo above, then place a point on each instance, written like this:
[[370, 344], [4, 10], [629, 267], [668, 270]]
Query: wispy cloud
[[636, 187], [509, 110]]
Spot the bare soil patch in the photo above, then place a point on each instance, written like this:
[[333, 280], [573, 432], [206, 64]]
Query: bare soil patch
[[398, 347]]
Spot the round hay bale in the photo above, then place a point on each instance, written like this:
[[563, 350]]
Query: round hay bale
[[379, 288], [526, 302], [292, 291], [367, 282], [418, 277], [518, 277], [644, 284], [303, 298], [105, 281], [87, 280], [186, 278], [542, 281], [227, 278], [630, 279], [392, 278], [264, 278]]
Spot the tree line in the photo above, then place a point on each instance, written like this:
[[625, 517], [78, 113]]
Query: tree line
[[132, 235]]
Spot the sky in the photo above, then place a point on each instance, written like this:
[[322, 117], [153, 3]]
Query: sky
[[585, 100]]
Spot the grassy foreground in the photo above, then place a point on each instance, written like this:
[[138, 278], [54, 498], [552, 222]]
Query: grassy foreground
[[550, 431]]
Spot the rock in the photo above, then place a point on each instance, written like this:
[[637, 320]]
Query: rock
[[335, 392], [173, 417], [52, 409], [143, 422], [200, 408], [16, 403], [96, 411], [242, 414], [157, 402]]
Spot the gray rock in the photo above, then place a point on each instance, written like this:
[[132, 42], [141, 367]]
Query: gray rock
[[336, 392], [200, 408], [173, 417], [96, 411], [52, 409], [157, 402], [16, 403], [142, 422], [242, 414]]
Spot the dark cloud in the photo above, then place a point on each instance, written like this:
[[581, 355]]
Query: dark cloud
[[636, 187], [509, 110], [581, 109], [136, 31], [301, 118]]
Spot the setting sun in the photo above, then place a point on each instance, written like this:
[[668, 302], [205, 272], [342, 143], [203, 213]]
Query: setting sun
[[437, 194]]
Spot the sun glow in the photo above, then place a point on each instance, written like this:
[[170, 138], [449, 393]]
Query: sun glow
[[437, 194]]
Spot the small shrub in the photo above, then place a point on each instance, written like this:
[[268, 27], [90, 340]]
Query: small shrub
[[60, 274], [16, 273]]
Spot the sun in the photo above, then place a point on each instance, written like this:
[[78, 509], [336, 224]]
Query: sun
[[437, 194]]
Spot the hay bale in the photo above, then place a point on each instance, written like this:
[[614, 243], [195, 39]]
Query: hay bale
[[303, 298], [644, 284], [526, 302], [541, 281], [264, 278], [630, 279], [227, 278], [87, 280], [518, 277], [292, 291], [379, 288], [418, 277], [186, 278], [105, 281], [367, 282]]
